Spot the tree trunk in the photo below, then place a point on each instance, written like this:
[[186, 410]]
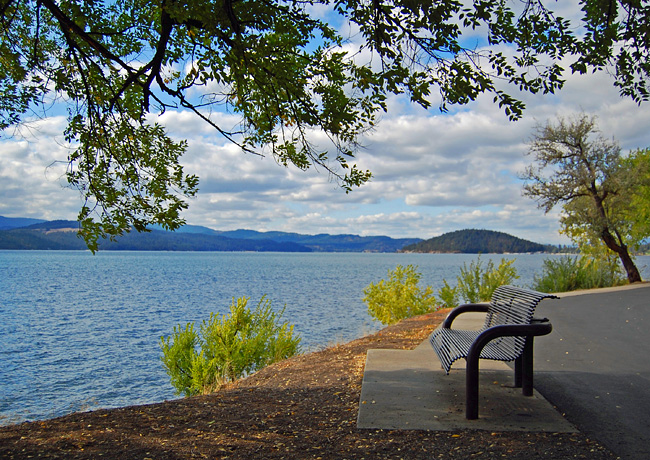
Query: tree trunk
[[615, 244], [633, 274]]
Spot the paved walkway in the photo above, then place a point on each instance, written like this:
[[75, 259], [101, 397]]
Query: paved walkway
[[595, 365], [591, 372]]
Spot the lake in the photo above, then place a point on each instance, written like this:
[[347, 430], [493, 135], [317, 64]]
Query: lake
[[81, 332]]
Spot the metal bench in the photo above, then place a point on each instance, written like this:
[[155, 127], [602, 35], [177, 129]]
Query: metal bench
[[507, 335]]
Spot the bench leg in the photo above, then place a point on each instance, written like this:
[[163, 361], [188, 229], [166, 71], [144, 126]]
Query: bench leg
[[524, 369], [527, 368], [518, 367], [471, 387]]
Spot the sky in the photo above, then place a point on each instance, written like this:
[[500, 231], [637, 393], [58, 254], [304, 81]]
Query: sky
[[433, 172]]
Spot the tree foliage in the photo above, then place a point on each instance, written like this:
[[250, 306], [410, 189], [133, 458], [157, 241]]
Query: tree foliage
[[227, 348], [638, 204], [285, 71], [599, 190]]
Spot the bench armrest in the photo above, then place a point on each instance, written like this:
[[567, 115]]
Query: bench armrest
[[468, 307]]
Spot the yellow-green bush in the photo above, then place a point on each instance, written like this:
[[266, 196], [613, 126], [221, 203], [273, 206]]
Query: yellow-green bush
[[227, 348], [476, 284], [400, 297]]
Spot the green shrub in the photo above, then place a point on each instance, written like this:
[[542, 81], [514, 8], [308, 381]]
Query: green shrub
[[400, 297], [448, 295], [571, 273], [476, 284], [227, 348]]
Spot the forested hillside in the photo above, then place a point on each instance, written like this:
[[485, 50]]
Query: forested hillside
[[325, 242], [476, 241], [7, 223], [61, 234], [57, 235]]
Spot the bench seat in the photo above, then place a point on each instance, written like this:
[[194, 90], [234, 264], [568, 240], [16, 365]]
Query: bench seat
[[454, 344]]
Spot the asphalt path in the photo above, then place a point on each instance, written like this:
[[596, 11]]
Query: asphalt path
[[595, 365]]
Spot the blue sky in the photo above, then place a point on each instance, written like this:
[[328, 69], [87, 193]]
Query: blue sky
[[432, 172]]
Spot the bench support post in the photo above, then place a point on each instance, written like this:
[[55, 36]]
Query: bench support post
[[471, 387], [518, 378], [527, 368], [524, 368]]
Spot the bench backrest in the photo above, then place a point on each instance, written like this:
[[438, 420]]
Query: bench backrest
[[513, 305]]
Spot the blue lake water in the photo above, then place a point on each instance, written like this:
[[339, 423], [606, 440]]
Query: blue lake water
[[81, 332]]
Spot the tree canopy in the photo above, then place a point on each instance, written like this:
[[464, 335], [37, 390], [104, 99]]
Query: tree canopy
[[602, 193], [286, 70]]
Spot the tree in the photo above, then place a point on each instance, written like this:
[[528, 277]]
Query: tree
[[114, 64], [585, 172], [638, 207]]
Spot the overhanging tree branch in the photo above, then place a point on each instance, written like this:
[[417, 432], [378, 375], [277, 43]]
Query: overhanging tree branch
[[67, 24]]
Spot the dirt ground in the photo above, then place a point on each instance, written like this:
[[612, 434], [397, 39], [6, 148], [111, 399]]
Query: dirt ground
[[302, 408]]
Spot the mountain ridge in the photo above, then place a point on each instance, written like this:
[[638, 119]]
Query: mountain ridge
[[52, 235], [7, 223]]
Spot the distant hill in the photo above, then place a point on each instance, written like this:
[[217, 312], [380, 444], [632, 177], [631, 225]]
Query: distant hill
[[325, 242], [7, 223], [54, 225], [61, 234], [474, 242], [56, 235]]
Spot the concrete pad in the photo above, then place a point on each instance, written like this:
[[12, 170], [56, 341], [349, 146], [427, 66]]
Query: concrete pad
[[407, 389]]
